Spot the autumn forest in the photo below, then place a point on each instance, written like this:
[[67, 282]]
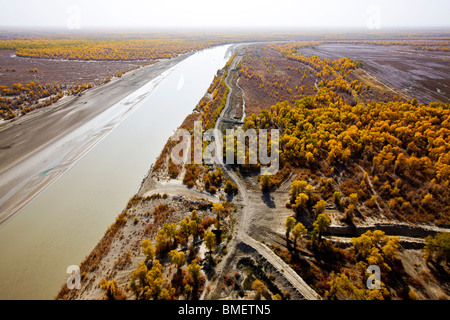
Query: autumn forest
[[364, 163]]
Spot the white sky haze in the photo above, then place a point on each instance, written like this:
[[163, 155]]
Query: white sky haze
[[225, 13]]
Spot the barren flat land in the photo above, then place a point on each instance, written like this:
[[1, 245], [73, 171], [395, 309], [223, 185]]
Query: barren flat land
[[14, 69], [412, 73], [35, 143]]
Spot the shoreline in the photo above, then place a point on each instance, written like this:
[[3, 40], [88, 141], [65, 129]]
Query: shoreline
[[55, 138], [152, 191], [136, 223]]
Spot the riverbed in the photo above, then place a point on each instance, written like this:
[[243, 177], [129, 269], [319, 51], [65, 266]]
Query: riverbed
[[64, 223]]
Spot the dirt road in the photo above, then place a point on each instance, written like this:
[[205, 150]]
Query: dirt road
[[241, 231]]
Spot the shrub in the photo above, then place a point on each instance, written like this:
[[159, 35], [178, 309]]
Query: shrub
[[266, 182], [173, 170], [112, 290], [438, 248], [191, 175], [337, 197], [230, 188], [148, 250]]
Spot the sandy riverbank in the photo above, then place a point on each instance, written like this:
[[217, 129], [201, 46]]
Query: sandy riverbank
[[38, 148]]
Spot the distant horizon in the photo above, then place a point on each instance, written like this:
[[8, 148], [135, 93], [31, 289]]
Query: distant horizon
[[234, 29], [316, 31]]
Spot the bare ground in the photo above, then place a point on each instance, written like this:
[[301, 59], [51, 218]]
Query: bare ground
[[15, 69], [37, 137], [410, 73]]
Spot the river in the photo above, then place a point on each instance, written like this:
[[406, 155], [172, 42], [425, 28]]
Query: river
[[61, 226]]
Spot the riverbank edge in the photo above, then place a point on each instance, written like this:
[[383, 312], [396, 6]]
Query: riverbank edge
[[147, 185], [21, 195]]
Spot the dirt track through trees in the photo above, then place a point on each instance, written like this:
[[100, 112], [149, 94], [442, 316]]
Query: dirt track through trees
[[247, 212]]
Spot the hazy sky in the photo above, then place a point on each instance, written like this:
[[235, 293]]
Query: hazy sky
[[225, 13]]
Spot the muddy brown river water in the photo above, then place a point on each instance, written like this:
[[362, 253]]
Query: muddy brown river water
[[65, 222]]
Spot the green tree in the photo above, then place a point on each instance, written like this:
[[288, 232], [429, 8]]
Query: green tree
[[363, 244], [321, 224], [390, 249], [230, 188], [154, 281], [353, 198], [195, 272], [299, 230], [161, 242], [297, 187], [219, 210], [289, 224], [350, 213], [193, 228], [166, 294], [177, 258], [320, 206], [260, 288], [184, 231], [210, 241], [171, 232], [195, 217], [310, 158], [266, 182], [376, 248], [301, 201], [138, 279], [337, 197], [343, 289], [438, 247], [112, 290], [148, 250]]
